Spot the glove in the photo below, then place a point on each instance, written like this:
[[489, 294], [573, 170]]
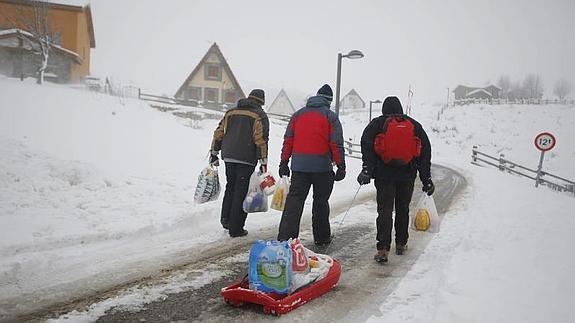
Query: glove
[[364, 177], [340, 174], [214, 160], [428, 187], [263, 166], [284, 169]]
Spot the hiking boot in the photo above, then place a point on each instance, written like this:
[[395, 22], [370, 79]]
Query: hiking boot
[[381, 256], [400, 249], [241, 234], [323, 243]]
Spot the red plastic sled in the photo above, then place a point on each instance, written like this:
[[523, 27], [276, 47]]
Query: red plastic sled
[[239, 293]]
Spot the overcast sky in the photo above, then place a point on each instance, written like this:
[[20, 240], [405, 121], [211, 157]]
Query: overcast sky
[[432, 45]]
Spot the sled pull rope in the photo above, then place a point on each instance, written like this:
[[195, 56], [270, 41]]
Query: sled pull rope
[[349, 208]]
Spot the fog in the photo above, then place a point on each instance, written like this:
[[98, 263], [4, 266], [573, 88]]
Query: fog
[[432, 45]]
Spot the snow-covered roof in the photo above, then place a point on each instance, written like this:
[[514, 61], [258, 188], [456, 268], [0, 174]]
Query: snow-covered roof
[[8, 38], [478, 91], [77, 3]]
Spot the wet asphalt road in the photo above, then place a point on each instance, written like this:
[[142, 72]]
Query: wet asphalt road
[[362, 280]]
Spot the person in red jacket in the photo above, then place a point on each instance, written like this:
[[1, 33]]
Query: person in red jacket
[[314, 141]]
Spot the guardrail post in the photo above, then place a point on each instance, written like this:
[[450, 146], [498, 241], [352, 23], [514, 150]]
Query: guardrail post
[[474, 155], [502, 166]]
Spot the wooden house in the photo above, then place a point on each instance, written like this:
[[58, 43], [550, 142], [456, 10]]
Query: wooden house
[[351, 102], [281, 105], [212, 82], [70, 29], [462, 92]]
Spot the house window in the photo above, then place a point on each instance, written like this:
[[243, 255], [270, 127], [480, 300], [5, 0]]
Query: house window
[[213, 72], [194, 93], [210, 94], [230, 96]]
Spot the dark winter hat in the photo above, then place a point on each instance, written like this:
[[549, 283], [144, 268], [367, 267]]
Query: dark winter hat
[[391, 105], [258, 96], [326, 92]]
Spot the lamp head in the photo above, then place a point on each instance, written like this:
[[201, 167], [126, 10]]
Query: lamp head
[[354, 54]]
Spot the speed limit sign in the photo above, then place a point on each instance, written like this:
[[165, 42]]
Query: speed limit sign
[[545, 141]]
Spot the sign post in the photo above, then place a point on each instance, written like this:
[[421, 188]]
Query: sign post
[[544, 141]]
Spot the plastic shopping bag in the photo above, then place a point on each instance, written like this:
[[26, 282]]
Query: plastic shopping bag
[[208, 188], [270, 266], [256, 200], [319, 266], [425, 217], [280, 195]]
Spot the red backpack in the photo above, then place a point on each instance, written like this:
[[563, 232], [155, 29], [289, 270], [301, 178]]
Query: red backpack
[[397, 143]]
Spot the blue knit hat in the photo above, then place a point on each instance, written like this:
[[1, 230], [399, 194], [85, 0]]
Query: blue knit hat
[[326, 92]]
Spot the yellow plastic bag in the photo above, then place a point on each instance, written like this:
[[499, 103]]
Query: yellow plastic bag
[[425, 216], [280, 195]]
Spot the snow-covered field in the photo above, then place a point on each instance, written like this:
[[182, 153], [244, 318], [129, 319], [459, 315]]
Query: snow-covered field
[[96, 190]]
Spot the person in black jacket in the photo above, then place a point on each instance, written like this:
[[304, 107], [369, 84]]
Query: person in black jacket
[[394, 183], [242, 135]]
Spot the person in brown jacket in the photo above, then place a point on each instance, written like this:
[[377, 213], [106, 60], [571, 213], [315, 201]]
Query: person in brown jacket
[[242, 135]]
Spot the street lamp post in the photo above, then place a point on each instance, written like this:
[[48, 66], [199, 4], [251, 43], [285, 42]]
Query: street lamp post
[[370, 103], [353, 54]]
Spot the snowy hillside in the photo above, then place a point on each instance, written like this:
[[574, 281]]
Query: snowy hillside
[[97, 190]]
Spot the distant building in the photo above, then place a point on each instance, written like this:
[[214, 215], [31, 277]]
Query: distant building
[[351, 102], [282, 105], [462, 92], [212, 82], [71, 30]]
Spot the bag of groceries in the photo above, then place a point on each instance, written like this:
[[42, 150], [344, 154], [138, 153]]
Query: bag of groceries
[[425, 217], [256, 200], [208, 188], [280, 195]]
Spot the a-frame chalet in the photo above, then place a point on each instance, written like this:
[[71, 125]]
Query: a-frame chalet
[[282, 105], [212, 82], [351, 102]]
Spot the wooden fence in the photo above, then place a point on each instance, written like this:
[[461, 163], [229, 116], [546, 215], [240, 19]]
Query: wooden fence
[[555, 182], [506, 101], [165, 99]]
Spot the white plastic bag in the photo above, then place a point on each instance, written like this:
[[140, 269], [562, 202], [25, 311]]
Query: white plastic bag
[[280, 195], [425, 217], [208, 188], [256, 200]]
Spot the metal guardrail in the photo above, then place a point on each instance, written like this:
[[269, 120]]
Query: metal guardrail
[[351, 149], [503, 164]]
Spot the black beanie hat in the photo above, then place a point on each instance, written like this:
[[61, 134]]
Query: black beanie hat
[[326, 92], [391, 105], [258, 96]]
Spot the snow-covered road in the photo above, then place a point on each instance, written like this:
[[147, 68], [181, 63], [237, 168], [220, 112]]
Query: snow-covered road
[[191, 294]]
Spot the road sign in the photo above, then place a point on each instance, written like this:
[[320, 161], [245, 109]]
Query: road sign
[[545, 141]]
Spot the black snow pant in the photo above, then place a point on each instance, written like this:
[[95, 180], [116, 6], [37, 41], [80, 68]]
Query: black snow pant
[[238, 180], [390, 192], [298, 191]]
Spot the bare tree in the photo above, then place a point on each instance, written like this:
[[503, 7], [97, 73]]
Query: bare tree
[[33, 19], [533, 84], [504, 83], [562, 89]]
